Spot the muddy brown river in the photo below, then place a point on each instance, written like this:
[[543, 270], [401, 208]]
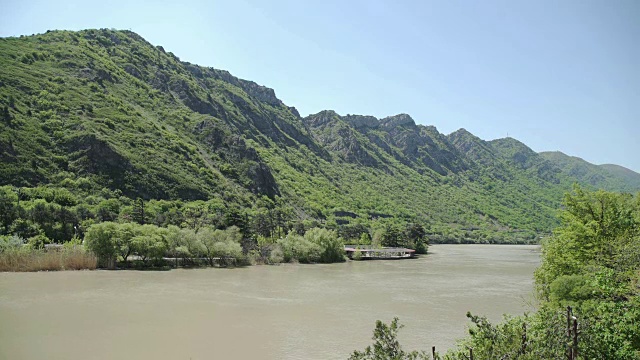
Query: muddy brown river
[[261, 312]]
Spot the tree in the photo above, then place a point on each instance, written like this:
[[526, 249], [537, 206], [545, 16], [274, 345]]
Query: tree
[[195, 215], [100, 240], [124, 240], [416, 237], [148, 242], [173, 239], [138, 211], [331, 246], [386, 345], [38, 242], [591, 264], [352, 232], [229, 248], [222, 244], [296, 247], [209, 237], [6, 115], [108, 210], [190, 246], [8, 207], [392, 236], [597, 229]]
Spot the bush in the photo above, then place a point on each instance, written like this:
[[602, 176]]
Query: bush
[[10, 243], [331, 246], [386, 345], [276, 256], [38, 242], [317, 245], [296, 248]]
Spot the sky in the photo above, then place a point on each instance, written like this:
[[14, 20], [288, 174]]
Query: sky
[[556, 75]]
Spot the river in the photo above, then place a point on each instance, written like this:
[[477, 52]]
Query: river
[[261, 312]]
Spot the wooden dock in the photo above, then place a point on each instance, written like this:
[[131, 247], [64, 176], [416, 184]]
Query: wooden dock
[[370, 252]]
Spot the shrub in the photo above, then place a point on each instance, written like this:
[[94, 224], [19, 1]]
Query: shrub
[[296, 248], [331, 246], [10, 243], [38, 242]]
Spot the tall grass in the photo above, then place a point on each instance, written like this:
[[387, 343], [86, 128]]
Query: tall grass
[[39, 260]]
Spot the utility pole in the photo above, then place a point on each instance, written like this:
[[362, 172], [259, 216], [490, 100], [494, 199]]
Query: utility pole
[[572, 335]]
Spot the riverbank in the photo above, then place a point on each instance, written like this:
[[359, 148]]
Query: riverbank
[[77, 258]]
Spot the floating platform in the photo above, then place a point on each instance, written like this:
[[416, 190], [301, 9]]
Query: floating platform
[[370, 253]]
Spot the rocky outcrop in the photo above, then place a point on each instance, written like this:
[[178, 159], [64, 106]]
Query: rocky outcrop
[[362, 122], [244, 164], [259, 92], [397, 120]]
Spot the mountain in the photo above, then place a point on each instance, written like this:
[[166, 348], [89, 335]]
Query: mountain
[[108, 116], [608, 177]]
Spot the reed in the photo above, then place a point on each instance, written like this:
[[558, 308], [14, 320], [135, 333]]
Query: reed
[[26, 260]]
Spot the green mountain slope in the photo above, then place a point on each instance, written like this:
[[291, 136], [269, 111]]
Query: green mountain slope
[[608, 177], [105, 112]]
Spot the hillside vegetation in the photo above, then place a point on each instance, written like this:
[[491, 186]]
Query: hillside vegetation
[[608, 176], [100, 125]]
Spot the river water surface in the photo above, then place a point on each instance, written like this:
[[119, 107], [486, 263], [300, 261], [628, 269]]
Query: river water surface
[[260, 312]]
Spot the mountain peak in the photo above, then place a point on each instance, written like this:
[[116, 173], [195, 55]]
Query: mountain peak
[[362, 121], [398, 120], [463, 134], [513, 144], [321, 118], [460, 132]]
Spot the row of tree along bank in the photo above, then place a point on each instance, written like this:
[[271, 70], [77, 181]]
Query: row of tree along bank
[[154, 246], [132, 245], [137, 233]]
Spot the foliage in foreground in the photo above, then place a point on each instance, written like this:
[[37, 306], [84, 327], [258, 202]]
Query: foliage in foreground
[[386, 345], [591, 264]]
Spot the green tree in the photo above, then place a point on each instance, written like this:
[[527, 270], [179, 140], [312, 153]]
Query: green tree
[[591, 263], [100, 240], [416, 237], [598, 229], [108, 210], [229, 249], [386, 345], [149, 242], [208, 237], [6, 115], [296, 247], [331, 246], [174, 243], [124, 240], [393, 236], [38, 242], [138, 211], [9, 209]]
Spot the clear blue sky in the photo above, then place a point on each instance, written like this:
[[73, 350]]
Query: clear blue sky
[[557, 75]]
